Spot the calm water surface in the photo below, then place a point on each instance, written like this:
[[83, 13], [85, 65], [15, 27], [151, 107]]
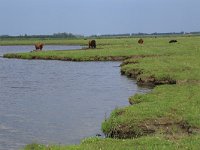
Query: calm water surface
[[56, 101], [28, 48]]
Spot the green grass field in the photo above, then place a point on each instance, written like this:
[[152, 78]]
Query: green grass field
[[108, 48], [166, 118]]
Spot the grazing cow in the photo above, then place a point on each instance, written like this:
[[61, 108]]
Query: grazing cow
[[172, 41], [92, 44], [140, 41], [39, 46]]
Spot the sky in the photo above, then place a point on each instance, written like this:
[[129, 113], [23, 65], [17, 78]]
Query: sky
[[89, 17]]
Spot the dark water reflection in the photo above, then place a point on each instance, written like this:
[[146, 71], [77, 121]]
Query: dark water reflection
[[57, 102]]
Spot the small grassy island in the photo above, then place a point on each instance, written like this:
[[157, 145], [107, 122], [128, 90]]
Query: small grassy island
[[166, 118]]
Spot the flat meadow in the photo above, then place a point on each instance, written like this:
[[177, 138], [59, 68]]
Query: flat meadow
[[168, 117]]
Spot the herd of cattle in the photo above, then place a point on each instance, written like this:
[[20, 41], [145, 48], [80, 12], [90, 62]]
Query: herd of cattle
[[141, 41], [91, 44]]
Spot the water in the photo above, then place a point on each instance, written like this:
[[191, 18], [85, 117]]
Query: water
[[56, 101], [28, 48]]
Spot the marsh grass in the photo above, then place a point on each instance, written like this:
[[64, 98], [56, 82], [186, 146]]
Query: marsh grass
[[177, 103], [149, 143]]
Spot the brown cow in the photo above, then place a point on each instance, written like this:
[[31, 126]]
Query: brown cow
[[140, 41], [92, 44], [39, 46]]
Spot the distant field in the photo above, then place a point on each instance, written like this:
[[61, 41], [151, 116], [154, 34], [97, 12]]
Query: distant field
[[167, 117], [32, 41]]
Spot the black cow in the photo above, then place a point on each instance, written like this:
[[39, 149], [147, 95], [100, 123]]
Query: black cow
[[172, 41], [140, 41]]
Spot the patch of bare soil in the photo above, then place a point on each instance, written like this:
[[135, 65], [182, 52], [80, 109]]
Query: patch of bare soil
[[168, 128], [171, 129], [153, 81]]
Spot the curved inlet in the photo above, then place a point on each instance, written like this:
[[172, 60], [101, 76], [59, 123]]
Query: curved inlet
[[58, 102]]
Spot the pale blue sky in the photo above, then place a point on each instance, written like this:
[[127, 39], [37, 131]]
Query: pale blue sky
[[89, 17]]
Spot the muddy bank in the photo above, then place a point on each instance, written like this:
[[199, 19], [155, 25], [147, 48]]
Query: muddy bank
[[94, 58], [65, 58], [169, 128], [149, 81]]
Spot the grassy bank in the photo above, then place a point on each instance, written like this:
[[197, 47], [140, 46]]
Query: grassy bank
[[148, 142], [166, 118]]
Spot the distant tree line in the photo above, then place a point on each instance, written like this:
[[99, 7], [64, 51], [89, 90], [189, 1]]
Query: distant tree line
[[65, 35], [55, 35], [146, 34], [72, 36]]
